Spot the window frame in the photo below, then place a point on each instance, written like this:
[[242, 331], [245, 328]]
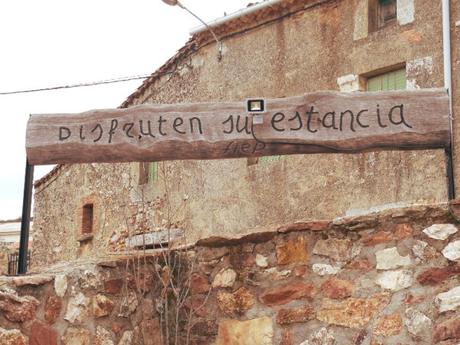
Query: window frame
[[376, 21], [87, 219], [386, 72]]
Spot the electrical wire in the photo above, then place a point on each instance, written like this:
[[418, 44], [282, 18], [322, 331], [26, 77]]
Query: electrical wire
[[71, 86]]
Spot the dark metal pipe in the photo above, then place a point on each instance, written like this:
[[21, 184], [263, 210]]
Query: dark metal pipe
[[25, 219], [450, 174]]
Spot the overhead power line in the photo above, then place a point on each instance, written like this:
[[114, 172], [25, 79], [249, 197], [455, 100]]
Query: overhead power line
[[71, 86]]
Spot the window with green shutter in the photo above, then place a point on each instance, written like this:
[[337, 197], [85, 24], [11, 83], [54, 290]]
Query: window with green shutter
[[153, 171], [148, 172], [266, 159], [394, 80]]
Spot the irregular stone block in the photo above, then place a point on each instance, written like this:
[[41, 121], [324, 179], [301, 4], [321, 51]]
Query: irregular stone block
[[236, 303], [302, 314], [225, 278], [35, 280], [336, 288], [389, 325], [251, 332], [212, 253], [18, 309], [349, 83], [76, 336], [261, 261], [325, 269], [417, 323], [143, 281], [286, 293], [286, 338], [77, 308], [102, 306], [103, 337], [128, 305], [292, 251], [378, 237], [440, 231], [53, 308], [127, 338], [205, 328], [265, 248], [449, 300], [414, 299], [336, 249], [419, 249], [273, 274], [352, 312], [299, 271], [199, 283], [402, 231], [151, 332], [434, 276], [60, 284], [12, 337], [449, 329], [198, 303], [405, 11], [452, 251], [41, 334], [359, 264], [322, 337], [395, 280], [113, 286], [389, 258]]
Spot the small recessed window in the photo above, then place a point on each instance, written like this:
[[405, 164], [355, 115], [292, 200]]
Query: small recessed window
[[381, 13], [87, 219], [263, 159], [268, 159], [392, 80]]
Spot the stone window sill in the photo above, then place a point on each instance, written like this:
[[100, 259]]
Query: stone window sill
[[85, 237]]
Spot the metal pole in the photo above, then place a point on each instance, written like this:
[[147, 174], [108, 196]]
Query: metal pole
[[450, 174], [446, 39], [25, 219]]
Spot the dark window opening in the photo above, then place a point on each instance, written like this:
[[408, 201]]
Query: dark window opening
[[152, 246], [87, 219], [381, 13]]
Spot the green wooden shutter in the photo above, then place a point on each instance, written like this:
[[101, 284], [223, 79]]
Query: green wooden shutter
[[394, 80], [153, 171], [266, 159]]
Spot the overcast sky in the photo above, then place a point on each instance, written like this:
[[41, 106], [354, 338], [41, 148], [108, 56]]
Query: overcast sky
[[50, 43]]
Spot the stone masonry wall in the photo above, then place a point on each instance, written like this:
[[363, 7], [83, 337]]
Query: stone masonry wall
[[385, 278], [308, 51]]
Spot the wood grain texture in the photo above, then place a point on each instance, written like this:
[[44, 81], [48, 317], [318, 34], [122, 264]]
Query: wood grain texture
[[318, 122]]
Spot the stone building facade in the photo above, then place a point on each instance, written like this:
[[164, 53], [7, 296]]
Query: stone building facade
[[290, 48]]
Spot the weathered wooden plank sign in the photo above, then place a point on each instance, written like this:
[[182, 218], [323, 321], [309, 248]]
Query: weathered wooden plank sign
[[311, 123]]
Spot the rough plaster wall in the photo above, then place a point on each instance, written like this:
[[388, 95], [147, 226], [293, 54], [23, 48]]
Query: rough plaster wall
[[361, 19], [58, 220], [304, 53]]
